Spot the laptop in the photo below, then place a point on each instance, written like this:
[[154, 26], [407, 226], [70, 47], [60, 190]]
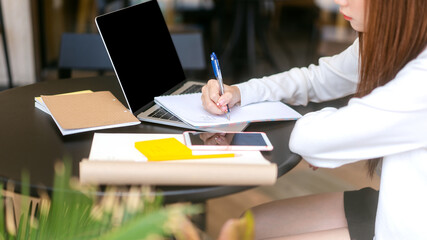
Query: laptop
[[146, 62]]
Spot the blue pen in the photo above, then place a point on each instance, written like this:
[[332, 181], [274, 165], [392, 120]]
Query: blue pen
[[218, 75]]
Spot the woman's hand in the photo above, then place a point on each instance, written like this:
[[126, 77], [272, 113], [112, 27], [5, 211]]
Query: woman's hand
[[216, 104]]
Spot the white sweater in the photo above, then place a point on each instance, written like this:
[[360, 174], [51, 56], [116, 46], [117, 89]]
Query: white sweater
[[391, 122]]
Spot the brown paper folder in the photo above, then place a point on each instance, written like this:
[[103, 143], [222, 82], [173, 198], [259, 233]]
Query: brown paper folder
[[88, 110], [174, 173]]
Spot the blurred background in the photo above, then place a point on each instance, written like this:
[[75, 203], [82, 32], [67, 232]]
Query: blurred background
[[252, 38]]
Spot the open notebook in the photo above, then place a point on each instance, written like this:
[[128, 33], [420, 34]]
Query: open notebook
[[189, 109]]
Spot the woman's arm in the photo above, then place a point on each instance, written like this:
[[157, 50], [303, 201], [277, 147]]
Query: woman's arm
[[333, 78], [390, 120]]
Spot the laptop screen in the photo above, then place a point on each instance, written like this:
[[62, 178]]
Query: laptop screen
[[142, 52]]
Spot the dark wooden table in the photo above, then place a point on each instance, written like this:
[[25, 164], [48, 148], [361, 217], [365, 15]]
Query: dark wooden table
[[29, 139]]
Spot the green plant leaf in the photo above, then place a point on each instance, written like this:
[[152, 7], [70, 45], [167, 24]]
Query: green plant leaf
[[74, 212]]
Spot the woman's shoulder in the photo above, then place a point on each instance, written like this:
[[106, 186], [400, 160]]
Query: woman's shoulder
[[423, 55], [417, 65]]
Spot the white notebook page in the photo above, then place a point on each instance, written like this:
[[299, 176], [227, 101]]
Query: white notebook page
[[188, 108]]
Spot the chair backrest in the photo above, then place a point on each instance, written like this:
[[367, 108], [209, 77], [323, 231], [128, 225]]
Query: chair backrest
[[87, 52], [82, 51], [191, 52]]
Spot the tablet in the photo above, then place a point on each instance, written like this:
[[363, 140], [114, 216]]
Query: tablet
[[227, 141]]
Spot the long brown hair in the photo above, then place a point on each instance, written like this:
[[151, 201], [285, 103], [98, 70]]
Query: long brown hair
[[395, 33]]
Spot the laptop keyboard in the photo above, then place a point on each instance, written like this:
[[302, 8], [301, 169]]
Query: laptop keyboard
[[193, 89], [163, 114]]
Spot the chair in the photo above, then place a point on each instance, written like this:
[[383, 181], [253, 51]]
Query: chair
[[190, 49], [13, 207], [87, 52], [82, 51]]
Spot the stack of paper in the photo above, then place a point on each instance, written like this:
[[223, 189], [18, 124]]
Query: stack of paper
[[189, 109], [114, 159], [86, 111]]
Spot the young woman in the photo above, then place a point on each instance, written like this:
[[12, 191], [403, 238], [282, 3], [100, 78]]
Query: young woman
[[384, 123]]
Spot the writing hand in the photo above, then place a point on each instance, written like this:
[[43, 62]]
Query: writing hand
[[213, 102]]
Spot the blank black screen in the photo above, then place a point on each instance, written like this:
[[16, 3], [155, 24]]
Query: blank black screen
[[142, 52]]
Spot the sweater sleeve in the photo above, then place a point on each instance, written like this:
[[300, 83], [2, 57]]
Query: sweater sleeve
[[333, 78], [390, 120]]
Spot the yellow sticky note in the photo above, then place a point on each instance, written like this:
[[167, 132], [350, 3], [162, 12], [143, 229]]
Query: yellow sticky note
[[170, 149]]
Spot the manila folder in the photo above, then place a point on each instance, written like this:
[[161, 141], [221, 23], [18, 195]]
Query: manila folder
[[176, 173], [87, 110]]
